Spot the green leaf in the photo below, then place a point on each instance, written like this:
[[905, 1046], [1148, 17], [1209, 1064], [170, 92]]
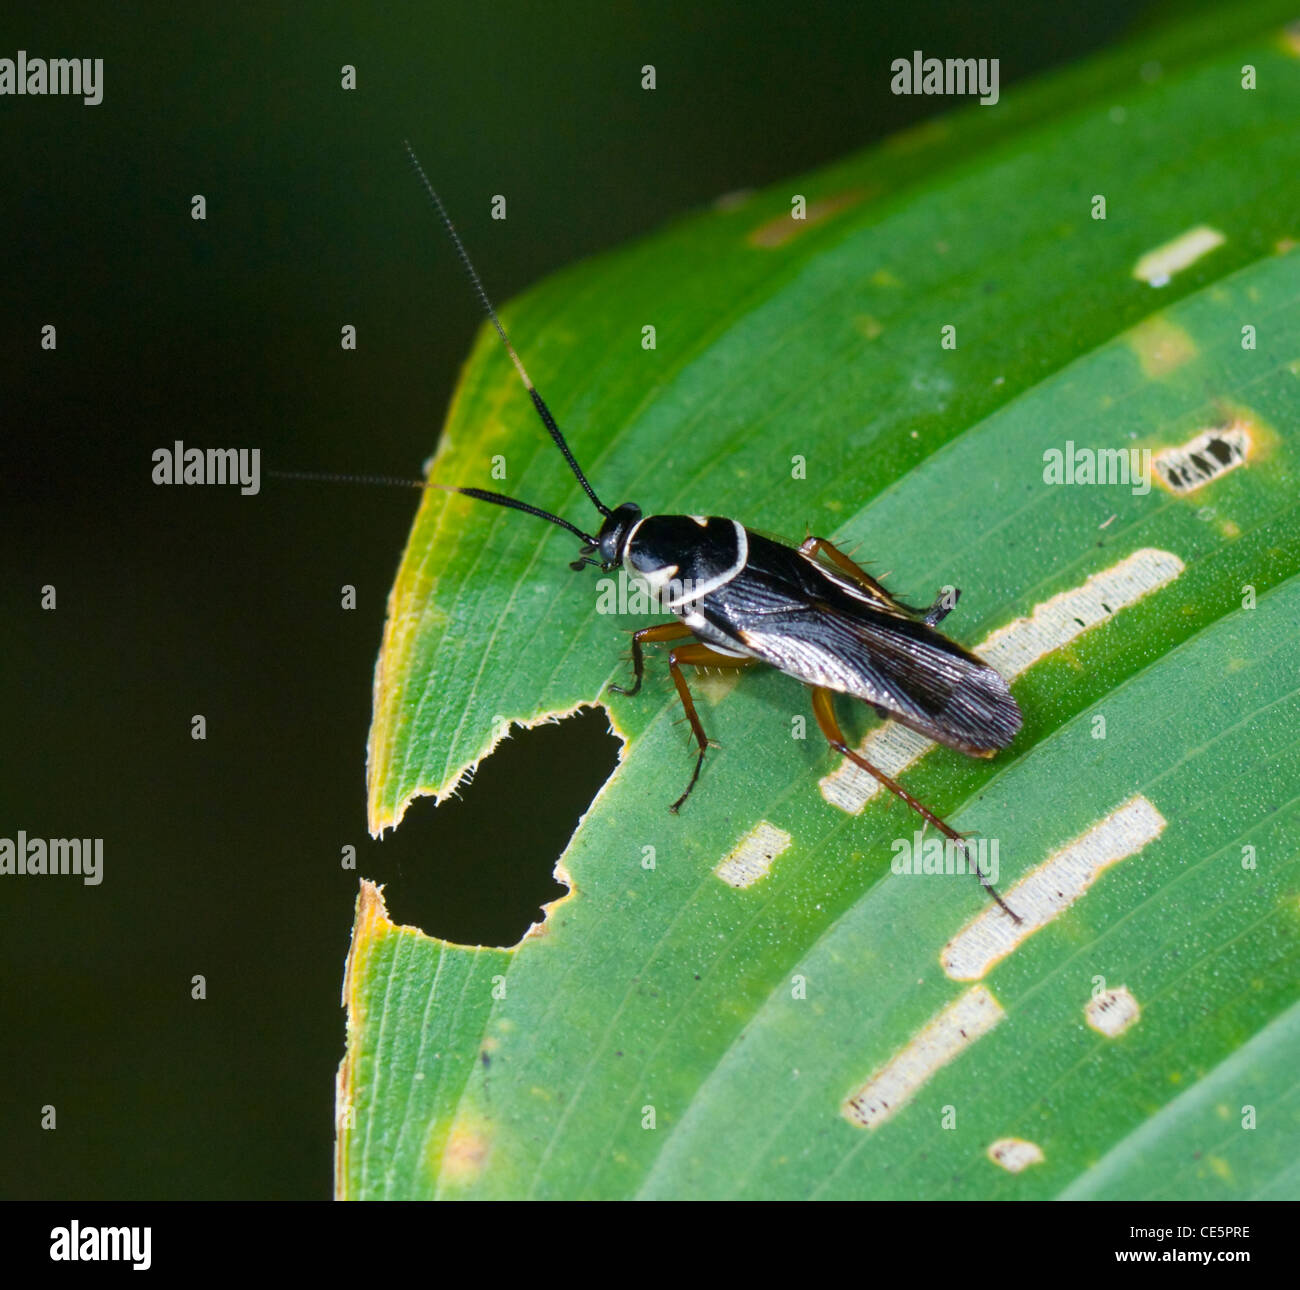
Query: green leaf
[[1159, 672]]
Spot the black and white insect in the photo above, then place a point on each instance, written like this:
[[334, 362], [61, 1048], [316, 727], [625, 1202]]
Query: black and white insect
[[738, 598]]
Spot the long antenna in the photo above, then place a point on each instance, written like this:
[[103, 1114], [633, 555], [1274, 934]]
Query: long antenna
[[391, 481], [500, 499], [538, 402]]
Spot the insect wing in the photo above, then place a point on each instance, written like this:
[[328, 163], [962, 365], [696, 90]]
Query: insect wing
[[787, 611]]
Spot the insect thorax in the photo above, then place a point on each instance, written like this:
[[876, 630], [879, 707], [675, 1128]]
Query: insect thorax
[[683, 558]]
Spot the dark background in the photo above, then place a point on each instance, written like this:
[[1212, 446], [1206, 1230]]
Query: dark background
[[222, 857]]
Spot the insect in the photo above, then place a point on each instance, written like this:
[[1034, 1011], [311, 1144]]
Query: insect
[[739, 598]]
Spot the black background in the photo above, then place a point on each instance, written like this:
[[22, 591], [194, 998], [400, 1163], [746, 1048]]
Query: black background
[[222, 856]]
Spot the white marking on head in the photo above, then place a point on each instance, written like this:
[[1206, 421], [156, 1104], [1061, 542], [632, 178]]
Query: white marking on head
[[701, 520], [658, 579], [627, 548]]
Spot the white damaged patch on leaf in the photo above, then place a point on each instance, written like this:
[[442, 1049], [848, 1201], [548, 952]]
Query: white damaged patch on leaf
[[943, 1039], [1194, 464], [1055, 623], [752, 857], [892, 748], [1015, 1154], [1112, 1012], [1160, 264], [1012, 649], [1047, 891]]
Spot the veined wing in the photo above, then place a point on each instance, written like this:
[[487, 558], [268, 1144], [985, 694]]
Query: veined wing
[[812, 628]]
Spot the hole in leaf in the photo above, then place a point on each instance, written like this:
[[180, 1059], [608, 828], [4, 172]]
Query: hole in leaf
[[477, 869]]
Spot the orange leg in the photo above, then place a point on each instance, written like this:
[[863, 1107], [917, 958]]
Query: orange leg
[[659, 632], [935, 614], [823, 707], [696, 656]]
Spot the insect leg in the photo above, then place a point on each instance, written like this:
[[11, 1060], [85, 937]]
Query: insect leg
[[812, 546], [941, 608], [696, 656], [823, 707], [659, 632]]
